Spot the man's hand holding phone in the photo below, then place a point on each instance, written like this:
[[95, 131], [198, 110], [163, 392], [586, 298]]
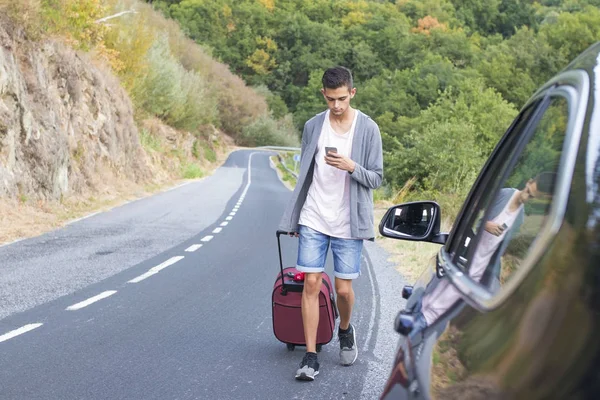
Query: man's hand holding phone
[[337, 160], [494, 228]]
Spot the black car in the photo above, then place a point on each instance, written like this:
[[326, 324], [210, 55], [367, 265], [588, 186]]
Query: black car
[[510, 307]]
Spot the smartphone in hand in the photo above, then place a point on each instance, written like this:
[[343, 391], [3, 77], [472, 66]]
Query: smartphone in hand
[[330, 150]]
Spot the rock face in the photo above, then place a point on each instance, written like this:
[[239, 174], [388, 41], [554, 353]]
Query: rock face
[[66, 125]]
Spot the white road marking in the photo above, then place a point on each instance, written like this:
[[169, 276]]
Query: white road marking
[[224, 223], [217, 230], [91, 300], [232, 214], [13, 242], [183, 184], [157, 269], [82, 218], [206, 238], [373, 303], [20, 331], [261, 324], [229, 218], [193, 248]]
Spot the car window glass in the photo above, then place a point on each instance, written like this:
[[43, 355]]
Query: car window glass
[[439, 295], [508, 223], [494, 173]]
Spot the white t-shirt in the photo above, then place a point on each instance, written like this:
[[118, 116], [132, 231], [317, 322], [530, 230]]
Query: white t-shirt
[[327, 205], [444, 295]]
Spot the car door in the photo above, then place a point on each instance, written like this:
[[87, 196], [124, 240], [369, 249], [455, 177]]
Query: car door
[[486, 308]]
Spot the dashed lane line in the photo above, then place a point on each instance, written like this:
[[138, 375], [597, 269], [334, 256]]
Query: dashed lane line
[[91, 300], [157, 269], [20, 331], [152, 271], [193, 248]]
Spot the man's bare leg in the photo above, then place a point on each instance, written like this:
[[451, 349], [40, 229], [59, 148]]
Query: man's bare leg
[[310, 309], [345, 300]]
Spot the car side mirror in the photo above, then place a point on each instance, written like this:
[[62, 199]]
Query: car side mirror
[[419, 221]]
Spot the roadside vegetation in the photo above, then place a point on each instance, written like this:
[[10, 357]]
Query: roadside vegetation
[[285, 164], [443, 78], [190, 109], [167, 75]]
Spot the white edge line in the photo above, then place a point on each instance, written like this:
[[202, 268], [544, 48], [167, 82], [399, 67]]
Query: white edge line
[[91, 300], [373, 305], [20, 331], [224, 223], [217, 230], [228, 218], [13, 242], [193, 248], [232, 214], [157, 269], [178, 186], [206, 238], [82, 218]]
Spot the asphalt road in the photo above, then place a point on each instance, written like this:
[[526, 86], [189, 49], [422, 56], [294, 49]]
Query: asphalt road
[[127, 305]]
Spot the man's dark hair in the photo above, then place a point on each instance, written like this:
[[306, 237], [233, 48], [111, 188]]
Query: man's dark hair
[[545, 182], [337, 77]]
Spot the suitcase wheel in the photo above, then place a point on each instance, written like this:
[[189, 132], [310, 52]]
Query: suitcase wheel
[[319, 347], [290, 346]]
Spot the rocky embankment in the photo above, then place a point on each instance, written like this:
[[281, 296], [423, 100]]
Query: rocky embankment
[[65, 123]]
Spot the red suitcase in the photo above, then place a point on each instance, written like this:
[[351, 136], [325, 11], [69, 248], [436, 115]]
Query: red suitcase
[[287, 313]]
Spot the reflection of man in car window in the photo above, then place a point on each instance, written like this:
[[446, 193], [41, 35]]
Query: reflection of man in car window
[[505, 218]]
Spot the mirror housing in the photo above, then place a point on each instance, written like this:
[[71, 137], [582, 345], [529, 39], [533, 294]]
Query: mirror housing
[[418, 221]]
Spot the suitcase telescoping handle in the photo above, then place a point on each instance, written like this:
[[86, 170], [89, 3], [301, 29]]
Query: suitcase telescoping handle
[[279, 233]]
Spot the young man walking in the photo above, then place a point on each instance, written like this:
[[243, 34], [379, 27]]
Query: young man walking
[[332, 205]]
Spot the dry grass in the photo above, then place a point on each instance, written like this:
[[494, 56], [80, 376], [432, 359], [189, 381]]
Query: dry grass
[[24, 14]]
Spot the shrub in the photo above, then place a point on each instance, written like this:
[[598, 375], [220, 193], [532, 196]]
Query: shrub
[[265, 131], [192, 171], [209, 153], [148, 141], [172, 93], [76, 19]]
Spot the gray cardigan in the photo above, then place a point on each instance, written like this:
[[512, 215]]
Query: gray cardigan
[[367, 175]]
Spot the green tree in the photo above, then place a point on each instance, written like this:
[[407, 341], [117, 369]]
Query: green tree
[[573, 33]]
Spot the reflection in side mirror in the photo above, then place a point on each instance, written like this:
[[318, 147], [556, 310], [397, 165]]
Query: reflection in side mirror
[[413, 221]]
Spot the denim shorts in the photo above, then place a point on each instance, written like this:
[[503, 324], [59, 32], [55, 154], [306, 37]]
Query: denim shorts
[[312, 253]]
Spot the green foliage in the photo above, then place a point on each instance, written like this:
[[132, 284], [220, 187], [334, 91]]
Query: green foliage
[[77, 20], [209, 153], [191, 171], [267, 132], [573, 33], [172, 93], [432, 73], [449, 141], [148, 141]]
